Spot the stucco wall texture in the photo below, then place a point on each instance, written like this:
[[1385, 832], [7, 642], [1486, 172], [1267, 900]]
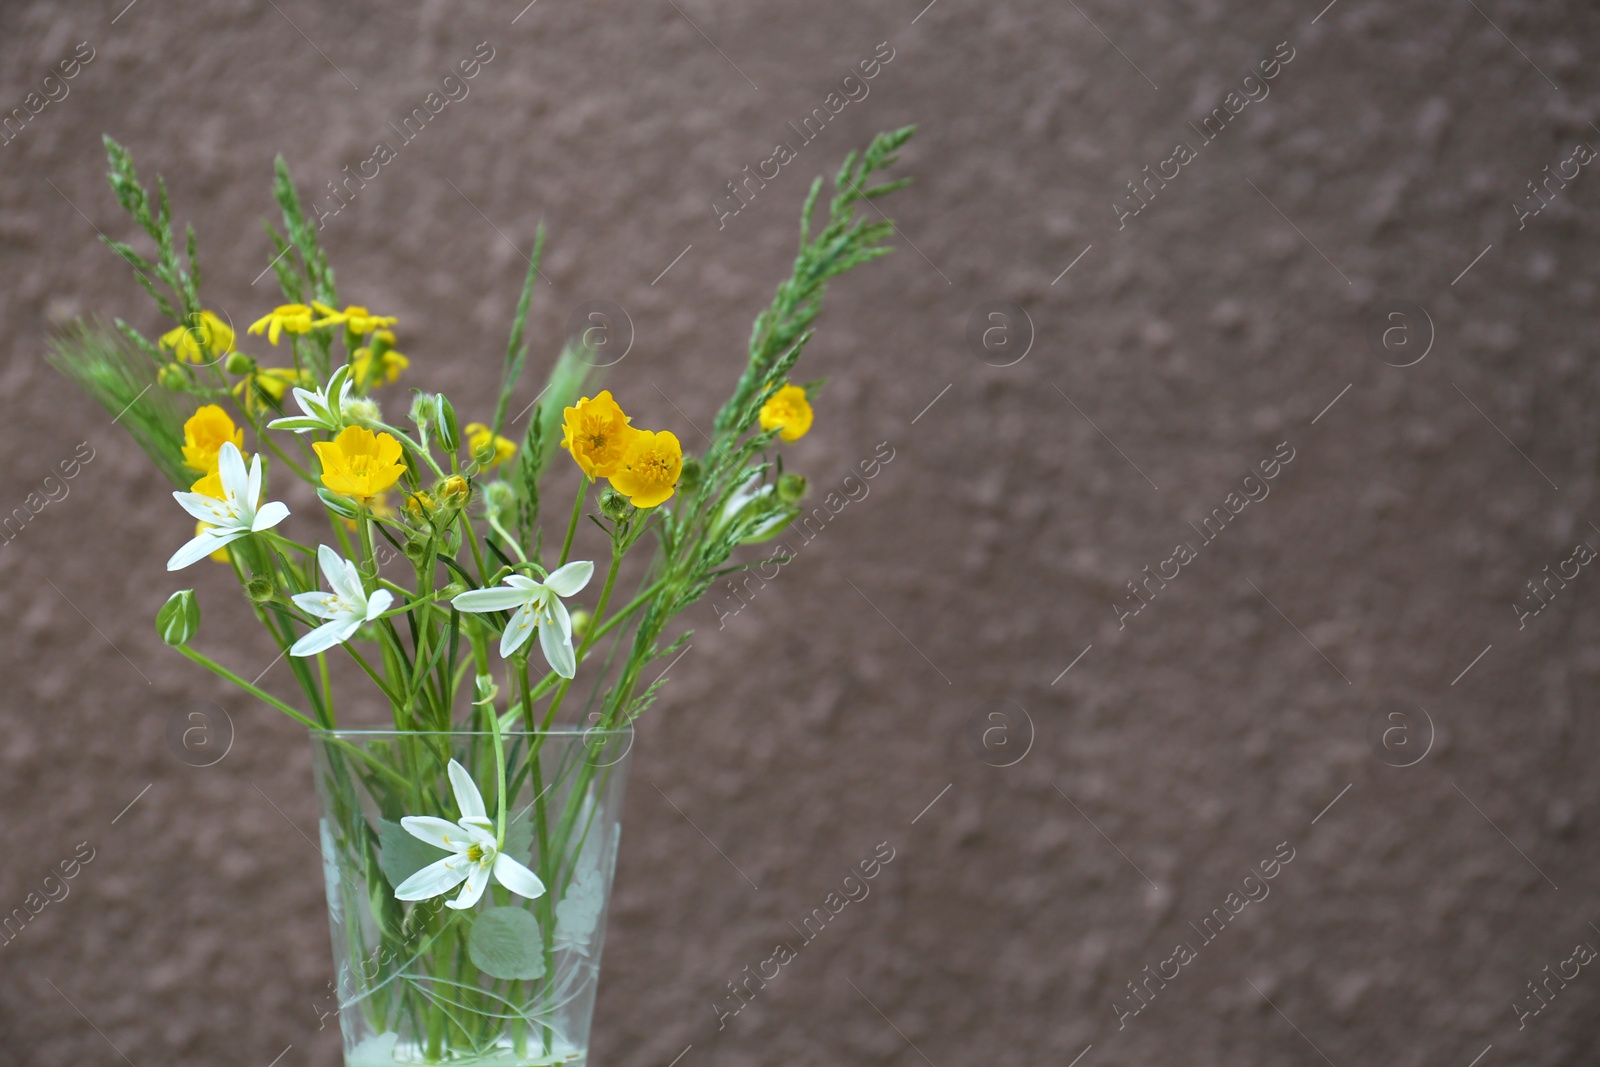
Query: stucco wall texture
[[1350, 280]]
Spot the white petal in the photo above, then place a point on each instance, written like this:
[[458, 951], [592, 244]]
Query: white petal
[[306, 398], [498, 599], [339, 387], [230, 468], [201, 547], [318, 603], [517, 878], [522, 581], [565, 581], [518, 630], [295, 423], [331, 564], [344, 578], [379, 603], [558, 612], [558, 649], [271, 513], [480, 828], [205, 508], [252, 493], [325, 637], [352, 581], [468, 799], [435, 878], [476, 881], [440, 833]]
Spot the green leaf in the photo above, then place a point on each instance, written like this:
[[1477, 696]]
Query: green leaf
[[505, 943], [179, 618], [402, 854]]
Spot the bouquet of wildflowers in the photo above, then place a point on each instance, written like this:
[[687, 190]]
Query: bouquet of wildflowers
[[476, 649]]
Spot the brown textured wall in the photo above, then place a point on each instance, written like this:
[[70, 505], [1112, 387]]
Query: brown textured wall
[[1182, 748]]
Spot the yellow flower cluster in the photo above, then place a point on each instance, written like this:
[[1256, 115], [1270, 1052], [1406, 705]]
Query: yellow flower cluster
[[642, 465], [203, 337], [264, 385], [488, 448], [369, 369], [303, 318]]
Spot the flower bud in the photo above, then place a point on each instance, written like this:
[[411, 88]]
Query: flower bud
[[580, 622], [449, 431], [450, 592], [689, 475], [614, 506], [501, 501], [420, 505], [179, 618], [382, 341], [239, 363], [172, 376], [337, 504], [424, 410], [259, 589], [360, 409], [455, 491], [791, 488]]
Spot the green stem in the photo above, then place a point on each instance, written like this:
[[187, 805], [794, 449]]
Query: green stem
[[414, 446], [499, 780], [281, 454], [327, 689], [572, 524], [274, 535], [260, 694]]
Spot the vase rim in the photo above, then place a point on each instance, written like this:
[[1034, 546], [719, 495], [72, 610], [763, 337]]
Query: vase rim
[[555, 731]]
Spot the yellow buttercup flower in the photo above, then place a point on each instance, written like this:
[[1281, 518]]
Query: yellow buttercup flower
[[355, 317], [650, 468], [597, 434], [204, 336], [360, 464], [294, 318], [203, 437], [369, 371], [788, 412], [264, 386], [479, 440]]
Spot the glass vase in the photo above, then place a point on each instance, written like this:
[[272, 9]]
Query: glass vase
[[508, 980]]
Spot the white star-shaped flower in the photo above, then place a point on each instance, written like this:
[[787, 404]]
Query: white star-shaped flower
[[324, 408], [233, 515], [345, 608], [475, 854], [537, 604]]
